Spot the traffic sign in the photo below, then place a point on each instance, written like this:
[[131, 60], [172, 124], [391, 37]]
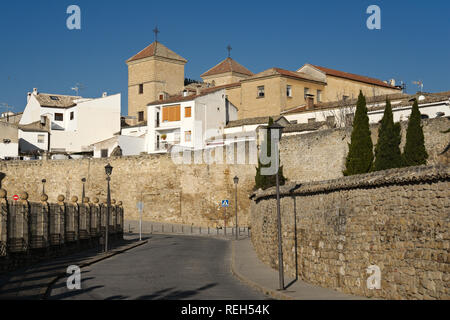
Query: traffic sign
[[15, 197], [225, 203]]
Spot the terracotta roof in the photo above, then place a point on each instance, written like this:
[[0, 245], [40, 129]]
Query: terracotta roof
[[351, 76], [159, 50], [286, 73], [56, 100], [181, 98], [227, 65]]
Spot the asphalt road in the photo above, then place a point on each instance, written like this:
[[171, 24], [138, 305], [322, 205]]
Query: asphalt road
[[168, 267]]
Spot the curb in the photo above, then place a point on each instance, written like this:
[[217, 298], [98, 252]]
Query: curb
[[267, 291], [45, 292]]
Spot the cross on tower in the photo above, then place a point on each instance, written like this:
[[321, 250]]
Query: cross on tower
[[229, 48], [156, 31]]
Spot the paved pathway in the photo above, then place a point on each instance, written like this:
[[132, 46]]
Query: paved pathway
[[252, 271], [168, 267]]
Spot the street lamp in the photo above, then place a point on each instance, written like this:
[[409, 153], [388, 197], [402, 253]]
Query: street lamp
[[108, 171], [276, 126], [83, 195], [236, 181], [43, 185]]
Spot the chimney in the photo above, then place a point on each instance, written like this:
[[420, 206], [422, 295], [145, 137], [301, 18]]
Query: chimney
[[392, 82], [35, 92], [309, 102], [197, 91], [28, 96], [105, 94], [185, 93]]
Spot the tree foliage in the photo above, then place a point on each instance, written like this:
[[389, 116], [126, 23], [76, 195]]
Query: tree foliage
[[360, 154], [264, 181], [415, 153], [387, 150]]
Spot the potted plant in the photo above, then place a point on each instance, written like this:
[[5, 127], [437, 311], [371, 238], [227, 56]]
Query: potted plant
[[164, 136]]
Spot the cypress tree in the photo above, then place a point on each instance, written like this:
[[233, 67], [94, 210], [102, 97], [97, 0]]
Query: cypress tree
[[264, 181], [387, 150], [414, 153], [360, 150]]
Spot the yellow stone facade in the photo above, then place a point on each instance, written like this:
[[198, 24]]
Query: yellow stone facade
[[224, 78], [157, 75]]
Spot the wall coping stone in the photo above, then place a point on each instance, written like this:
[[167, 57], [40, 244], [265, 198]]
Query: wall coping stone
[[410, 175]]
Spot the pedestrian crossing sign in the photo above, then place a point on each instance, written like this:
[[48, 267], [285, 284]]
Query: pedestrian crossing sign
[[225, 203]]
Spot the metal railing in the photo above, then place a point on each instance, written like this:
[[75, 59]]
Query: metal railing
[[149, 227]]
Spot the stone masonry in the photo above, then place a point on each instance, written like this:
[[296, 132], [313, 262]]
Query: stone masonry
[[397, 220]]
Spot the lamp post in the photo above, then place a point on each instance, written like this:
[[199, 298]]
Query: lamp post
[[43, 185], [236, 181], [108, 171], [279, 128], [83, 195]]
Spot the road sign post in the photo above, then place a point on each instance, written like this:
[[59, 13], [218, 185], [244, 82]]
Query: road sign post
[[140, 207], [225, 204]]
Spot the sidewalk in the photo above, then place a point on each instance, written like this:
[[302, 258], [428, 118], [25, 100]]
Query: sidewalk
[[33, 283], [246, 266]]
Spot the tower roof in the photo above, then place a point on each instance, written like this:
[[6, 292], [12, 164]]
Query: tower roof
[[227, 65], [157, 49]]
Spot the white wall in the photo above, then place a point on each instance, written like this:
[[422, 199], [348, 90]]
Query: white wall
[[9, 149], [131, 146], [28, 141], [96, 120]]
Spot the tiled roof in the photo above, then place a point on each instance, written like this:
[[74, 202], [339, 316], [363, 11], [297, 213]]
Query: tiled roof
[[34, 127], [286, 73], [351, 76], [227, 65], [251, 121], [159, 50], [56, 100], [181, 98]]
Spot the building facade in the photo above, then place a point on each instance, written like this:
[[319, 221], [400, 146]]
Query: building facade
[[153, 74]]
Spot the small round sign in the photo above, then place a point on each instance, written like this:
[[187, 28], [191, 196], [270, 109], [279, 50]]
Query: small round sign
[[15, 197]]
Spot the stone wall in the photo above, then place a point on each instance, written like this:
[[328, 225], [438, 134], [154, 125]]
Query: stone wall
[[321, 155], [190, 193], [398, 220], [170, 193]]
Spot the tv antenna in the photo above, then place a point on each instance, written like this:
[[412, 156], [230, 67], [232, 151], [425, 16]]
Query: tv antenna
[[419, 84], [78, 87], [8, 109]]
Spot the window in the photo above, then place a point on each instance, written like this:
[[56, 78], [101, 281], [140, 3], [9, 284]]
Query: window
[[331, 119], [141, 88], [187, 112], [54, 98], [141, 116], [306, 91], [261, 92], [161, 97], [311, 120], [293, 121], [345, 98], [59, 117], [289, 91], [187, 136], [72, 115], [319, 95], [104, 153], [171, 114], [41, 138]]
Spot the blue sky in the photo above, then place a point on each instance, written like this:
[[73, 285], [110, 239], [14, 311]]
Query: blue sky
[[37, 50]]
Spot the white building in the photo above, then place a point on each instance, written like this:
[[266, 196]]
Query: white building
[[76, 123], [120, 145], [431, 105], [188, 120], [9, 140]]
